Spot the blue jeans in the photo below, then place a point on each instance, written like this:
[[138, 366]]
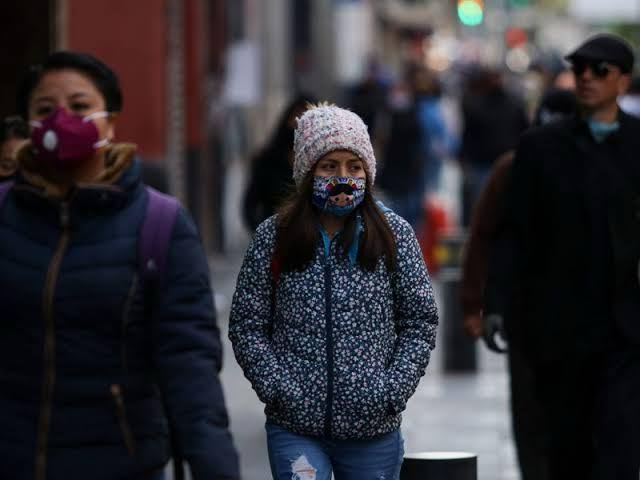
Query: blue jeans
[[298, 457]]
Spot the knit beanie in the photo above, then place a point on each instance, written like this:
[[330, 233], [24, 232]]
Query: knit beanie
[[324, 128]]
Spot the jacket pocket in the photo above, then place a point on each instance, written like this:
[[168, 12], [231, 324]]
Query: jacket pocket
[[287, 393], [365, 397], [289, 398], [121, 414]]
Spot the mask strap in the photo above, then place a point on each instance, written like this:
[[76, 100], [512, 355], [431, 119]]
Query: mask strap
[[102, 143], [105, 141], [95, 115]]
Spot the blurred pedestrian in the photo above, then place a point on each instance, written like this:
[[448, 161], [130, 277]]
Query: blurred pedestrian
[[493, 120], [437, 142], [270, 178], [100, 358], [528, 429], [333, 318], [402, 172], [565, 260], [416, 143], [13, 131], [564, 80], [155, 175], [367, 97]]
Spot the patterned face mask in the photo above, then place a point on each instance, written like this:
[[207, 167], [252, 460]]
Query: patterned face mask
[[338, 195]]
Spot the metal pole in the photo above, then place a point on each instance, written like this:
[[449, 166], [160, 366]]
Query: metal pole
[[459, 349], [323, 49], [176, 150], [60, 24]]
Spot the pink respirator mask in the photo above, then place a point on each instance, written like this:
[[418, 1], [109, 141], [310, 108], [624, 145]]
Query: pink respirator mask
[[65, 140]]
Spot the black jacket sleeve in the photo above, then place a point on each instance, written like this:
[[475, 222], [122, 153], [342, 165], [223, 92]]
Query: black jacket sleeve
[[509, 252], [188, 357]]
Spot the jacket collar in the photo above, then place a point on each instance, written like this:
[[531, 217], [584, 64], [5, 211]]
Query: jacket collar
[[580, 125], [352, 254]]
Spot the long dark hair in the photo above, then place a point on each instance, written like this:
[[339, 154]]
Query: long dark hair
[[297, 232]]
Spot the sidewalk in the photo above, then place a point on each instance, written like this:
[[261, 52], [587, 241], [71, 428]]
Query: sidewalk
[[448, 412]]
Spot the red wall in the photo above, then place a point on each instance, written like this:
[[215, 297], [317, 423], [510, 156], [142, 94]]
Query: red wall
[[130, 36], [194, 70]]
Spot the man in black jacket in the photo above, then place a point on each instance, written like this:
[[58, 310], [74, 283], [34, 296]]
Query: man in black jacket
[[564, 268]]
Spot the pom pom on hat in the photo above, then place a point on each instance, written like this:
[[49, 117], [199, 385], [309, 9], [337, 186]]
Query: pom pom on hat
[[324, 128]]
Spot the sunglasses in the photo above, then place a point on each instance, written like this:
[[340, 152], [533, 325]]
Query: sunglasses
[[599, 69]]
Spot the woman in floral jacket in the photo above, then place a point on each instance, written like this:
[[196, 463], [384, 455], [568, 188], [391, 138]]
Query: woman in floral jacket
[[333, 318]]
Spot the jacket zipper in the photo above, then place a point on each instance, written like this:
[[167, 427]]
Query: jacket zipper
[[125, 319], [49, 353], [327, 299], [127, 434]]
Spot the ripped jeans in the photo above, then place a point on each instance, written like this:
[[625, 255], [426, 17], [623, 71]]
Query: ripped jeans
[[298, 457]]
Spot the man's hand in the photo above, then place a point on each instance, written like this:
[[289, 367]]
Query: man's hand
[[493, 325], [472, 324]]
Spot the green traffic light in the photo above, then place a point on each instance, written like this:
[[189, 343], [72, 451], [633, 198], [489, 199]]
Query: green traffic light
[[470, 12]]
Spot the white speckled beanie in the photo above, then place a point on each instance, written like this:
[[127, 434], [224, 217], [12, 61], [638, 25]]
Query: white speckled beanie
[[325, 128]]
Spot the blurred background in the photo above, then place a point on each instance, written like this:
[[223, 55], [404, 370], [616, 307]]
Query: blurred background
[[206, 83], [205, 80]]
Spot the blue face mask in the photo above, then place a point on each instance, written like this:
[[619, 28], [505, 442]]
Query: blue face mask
[[338, 195]]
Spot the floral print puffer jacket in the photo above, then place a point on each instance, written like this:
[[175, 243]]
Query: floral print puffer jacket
[[342, 349]]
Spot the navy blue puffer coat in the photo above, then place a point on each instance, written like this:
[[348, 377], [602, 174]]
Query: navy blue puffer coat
[[83, 361], [342, 349]]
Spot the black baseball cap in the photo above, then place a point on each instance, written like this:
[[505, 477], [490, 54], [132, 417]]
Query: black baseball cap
[[605, 47]]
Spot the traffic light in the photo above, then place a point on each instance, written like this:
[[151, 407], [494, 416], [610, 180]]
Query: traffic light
[[471, 12]]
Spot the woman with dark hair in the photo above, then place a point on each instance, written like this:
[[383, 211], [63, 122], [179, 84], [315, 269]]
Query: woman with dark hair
[[333, 318], [270, 178], [13, 131], [108, 341]]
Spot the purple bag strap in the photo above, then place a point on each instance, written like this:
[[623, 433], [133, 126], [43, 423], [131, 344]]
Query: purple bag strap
[[153, 248], [155, 235], [5, 187]]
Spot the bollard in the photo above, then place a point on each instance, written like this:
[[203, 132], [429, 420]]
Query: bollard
[[440, 466], [459, 350]]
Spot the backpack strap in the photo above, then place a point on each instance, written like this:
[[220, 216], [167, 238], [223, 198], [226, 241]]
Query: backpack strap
[[153, 247], [5, 188], [155, 236]]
